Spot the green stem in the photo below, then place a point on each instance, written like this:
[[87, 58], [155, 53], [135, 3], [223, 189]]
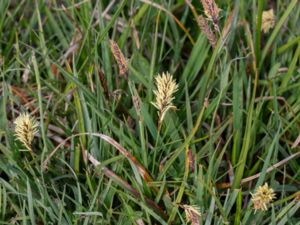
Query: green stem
[[258, 29], [38, 81]]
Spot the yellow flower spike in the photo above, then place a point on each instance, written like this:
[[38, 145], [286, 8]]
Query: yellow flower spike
[[166, 87], [262, 197], [268, 20], [26, 128]]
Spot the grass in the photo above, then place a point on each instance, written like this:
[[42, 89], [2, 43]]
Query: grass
[[100, 156]]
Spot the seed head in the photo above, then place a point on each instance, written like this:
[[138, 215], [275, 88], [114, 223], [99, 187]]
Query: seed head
[[120, 58], [268, 20], [207, 31], [26, 128], [192, 214], [137, 105], [166, 87], [212, 11], [262, 197]]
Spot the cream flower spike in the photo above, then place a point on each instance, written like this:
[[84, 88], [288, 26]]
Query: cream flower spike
[[26, 128], [262, 197], [166, 87], [268, 20]]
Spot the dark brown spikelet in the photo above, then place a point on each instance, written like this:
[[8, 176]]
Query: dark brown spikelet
[[211, 10], [137, 105], [119, 57], [207, 31], [103, 83]]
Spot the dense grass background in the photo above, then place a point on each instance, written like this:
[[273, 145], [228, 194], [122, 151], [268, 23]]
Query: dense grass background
[[237, 117]]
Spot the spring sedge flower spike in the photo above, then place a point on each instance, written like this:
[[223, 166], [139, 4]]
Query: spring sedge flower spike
[[119, 57], [207, 31], [211, 11], [26, 128], [262, 197], [268, 20], [166, 87], [192, 214]]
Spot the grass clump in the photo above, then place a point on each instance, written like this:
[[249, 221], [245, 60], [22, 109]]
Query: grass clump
[[91, 71]]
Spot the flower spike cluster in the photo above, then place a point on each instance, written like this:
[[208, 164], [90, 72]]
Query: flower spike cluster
[[262, 197], [26, 128], [166, 87]]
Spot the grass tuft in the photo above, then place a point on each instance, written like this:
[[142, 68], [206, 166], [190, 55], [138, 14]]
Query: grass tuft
[[107, 149]]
